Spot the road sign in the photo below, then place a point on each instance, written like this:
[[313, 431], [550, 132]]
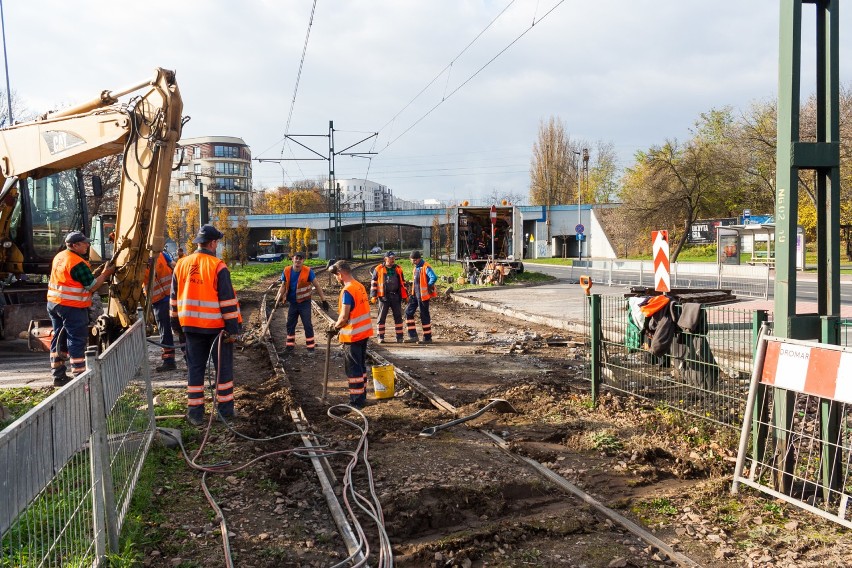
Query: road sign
[[746, 213], [580, 236], [579, 229], [493, 214], [661, 261]]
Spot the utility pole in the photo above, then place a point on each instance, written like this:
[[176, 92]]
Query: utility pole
[[333, 190]]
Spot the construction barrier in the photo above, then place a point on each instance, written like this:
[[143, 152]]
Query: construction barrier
[[796, 437]]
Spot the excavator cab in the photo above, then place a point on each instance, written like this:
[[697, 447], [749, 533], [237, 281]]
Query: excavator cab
[[45, 211]]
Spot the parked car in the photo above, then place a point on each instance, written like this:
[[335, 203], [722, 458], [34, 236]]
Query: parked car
[[375, 250]]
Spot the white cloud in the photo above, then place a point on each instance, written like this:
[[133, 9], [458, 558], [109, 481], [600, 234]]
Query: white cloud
[[632, 72]]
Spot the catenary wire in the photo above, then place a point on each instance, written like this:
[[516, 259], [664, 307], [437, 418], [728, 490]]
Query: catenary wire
[[470, 78]]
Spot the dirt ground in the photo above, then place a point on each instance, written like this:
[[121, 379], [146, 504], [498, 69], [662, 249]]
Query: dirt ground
[[456, 499]]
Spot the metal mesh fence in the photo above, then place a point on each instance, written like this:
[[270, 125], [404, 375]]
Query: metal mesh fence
[[46, 476], [798, 448], [705, 373], [60, 504]]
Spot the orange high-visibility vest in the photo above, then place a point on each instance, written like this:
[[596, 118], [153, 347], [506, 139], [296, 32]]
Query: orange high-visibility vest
[[303, 286], [162, 279], [64, 290], [381, 270], [198, 302], [360, 325], [424, 283]]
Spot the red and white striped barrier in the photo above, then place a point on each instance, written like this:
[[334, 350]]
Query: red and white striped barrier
[[661, 261], [817, 370]]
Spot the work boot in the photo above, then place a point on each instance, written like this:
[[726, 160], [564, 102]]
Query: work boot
[[399, 339], [227, 410], [411, 339], [381, 339], [61, 381], [425, 340], [195, 418], [167, 365], [311, 352]]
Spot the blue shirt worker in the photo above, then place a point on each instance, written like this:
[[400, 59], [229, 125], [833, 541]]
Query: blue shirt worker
[[423, 290], [387, 286], [355, 327], [205, 314], [69, 296], [297, 286], [160, 305]]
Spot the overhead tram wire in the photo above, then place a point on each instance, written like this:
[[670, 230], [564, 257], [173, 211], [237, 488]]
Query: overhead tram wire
[[295, 92], [475, 73], [448, 66]]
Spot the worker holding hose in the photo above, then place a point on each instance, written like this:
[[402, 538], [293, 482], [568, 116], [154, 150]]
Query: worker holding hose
[[206, 317], [355, 327]]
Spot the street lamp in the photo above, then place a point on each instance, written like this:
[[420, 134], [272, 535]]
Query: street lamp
[[579, 216]]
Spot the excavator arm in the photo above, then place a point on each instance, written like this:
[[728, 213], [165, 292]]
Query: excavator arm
[[145, 130]]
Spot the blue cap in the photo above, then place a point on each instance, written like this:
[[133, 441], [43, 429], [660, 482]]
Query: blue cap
[[390, 253], [207, 233], [76, 237]]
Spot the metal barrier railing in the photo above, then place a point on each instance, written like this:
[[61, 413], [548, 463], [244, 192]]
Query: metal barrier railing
[[844, 332], [705, 373], [748, 281], [68, 467]]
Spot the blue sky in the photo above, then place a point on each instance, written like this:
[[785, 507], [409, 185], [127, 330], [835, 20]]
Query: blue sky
[[629, 72]]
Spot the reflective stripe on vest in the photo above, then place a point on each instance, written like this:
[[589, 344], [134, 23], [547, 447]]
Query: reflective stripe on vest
[[162, 279], [360, 325], [197, 299], [303, 286], [424, 282], [62, 289], [381, 271]]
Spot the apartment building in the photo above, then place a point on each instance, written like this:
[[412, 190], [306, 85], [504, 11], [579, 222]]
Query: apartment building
[[220, 166]]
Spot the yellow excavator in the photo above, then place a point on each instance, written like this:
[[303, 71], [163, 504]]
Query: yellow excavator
[[43, 197]]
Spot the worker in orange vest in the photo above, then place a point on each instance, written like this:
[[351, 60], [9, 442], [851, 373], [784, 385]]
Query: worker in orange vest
[[355, 327], [297, 284], [387, 286], [206, 316], [163, 268], [423, 290], [69, 296]]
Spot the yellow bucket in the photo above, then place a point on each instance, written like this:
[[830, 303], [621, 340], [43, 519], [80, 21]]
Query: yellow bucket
[[383, 378]]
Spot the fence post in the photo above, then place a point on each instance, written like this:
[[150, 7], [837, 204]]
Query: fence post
[[595, 331], [103, 494], [611, 262], [641, 271], [830, 411], [760, 414], [719, 279], [768, 280], [146, 377], [674, 275]]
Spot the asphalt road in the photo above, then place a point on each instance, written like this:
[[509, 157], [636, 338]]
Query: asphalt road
[[806, 284]]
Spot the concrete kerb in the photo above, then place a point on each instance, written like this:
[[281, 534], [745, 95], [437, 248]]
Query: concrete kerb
[[574, 327]]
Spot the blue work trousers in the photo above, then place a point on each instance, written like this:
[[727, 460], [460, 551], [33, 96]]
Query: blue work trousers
[[70, 336], [161, 316], [355, 363], [199, 347], [415, 303], [295, 311]]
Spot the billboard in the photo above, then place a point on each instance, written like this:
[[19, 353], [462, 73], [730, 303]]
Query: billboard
[[703, 232]]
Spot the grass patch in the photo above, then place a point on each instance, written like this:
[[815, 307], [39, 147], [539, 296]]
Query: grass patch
[[21, 400], [605, 441]]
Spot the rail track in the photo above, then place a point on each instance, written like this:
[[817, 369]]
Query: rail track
[[466, 496]]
